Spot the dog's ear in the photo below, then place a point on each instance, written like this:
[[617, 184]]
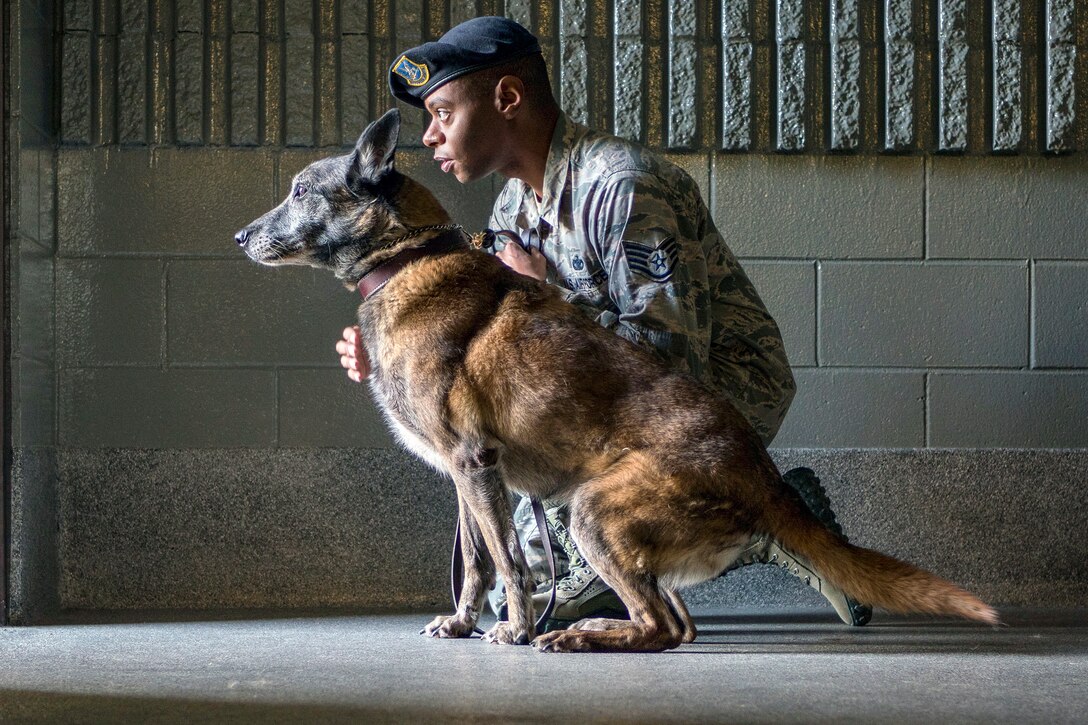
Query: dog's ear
[[373, 156]]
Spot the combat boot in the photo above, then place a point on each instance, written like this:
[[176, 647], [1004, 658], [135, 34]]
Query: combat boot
[[764, 549], [581, 593]]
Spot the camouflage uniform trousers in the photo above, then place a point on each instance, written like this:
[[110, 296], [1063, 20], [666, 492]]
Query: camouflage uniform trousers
[[529, 536]]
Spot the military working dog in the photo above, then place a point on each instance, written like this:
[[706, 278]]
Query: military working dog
[[496, 381]]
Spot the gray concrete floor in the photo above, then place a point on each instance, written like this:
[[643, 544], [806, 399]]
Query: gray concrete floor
[[746, 666]]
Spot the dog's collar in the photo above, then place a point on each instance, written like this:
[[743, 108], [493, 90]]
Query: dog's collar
[[451, 238]]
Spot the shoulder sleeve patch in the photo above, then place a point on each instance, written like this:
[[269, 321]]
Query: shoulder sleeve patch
[[656, 263]]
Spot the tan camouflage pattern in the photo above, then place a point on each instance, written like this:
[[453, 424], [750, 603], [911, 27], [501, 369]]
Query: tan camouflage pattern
[[628, 237]]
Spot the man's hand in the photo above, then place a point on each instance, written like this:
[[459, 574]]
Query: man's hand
[[531, 264], [352, 355]]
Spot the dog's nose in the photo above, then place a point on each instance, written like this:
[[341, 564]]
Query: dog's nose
[[241, 237]]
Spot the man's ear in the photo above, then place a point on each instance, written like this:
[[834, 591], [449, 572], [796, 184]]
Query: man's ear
[[509, 96], [374, 151]]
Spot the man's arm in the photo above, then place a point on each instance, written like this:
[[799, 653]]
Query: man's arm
[[657, 272]]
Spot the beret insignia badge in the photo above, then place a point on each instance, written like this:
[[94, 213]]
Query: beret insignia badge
[[413, 73]]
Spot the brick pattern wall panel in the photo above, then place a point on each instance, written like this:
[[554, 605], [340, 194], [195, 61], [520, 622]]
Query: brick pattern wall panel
[[130, 407], [1060, 315], [1008, 410], [170, 201], [903, 179], [788, 291], [32, 98], [193, 529], [223, 312], [468, 204], [33, 322], [924, 315], [1008, 208], [33, 420], [33, 340], [910, 250], [837, 408], [819, 207], [325, 409], [109, 311]]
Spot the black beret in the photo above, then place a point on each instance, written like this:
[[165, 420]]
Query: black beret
[[471, 46]]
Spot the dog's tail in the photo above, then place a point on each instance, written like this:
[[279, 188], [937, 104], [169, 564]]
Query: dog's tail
[[869, 576]]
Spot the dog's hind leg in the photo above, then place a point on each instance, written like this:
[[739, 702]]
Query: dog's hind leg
[[614, 543], [652, 628], [676, 605]]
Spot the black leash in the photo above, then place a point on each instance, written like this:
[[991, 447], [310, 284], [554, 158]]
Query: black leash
[[457, 569], [546, 540]]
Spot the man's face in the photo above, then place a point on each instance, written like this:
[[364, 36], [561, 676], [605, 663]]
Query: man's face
[[466, 132]]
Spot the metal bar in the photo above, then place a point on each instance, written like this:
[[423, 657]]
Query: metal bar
[[845, 74], [898, 75], [1007, 68], [244, 89], [790, 79], [952, 83], [299, 97], [408, 21], [160, 76], [628, 53], [189, 69], [272, 47], [1061, 53], [132, 110], [6, 13], [462, 10], [104, 94], [574, 95], [683, 63], [381, 49], [355, 68], [218, 49], [519, 11], [736, 75]]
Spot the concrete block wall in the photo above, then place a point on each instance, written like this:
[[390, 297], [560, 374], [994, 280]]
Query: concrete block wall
[[30, 325], [168, 336], [901, 180]]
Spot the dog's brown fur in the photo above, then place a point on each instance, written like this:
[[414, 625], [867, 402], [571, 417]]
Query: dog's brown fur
[[498, 382]]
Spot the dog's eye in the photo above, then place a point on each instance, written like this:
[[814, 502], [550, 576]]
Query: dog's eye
[[300, 190]]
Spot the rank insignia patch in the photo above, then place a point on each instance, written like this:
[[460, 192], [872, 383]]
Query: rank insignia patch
[[414, 73], [657, 263]]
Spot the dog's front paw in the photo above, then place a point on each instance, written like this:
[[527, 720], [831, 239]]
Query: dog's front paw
[[448, 627], [561, 641], [506, 633]]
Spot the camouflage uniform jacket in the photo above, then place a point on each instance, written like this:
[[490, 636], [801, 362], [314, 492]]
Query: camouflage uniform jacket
[[628, 237]]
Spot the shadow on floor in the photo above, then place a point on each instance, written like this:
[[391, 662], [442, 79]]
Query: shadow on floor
[[26, 706]]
